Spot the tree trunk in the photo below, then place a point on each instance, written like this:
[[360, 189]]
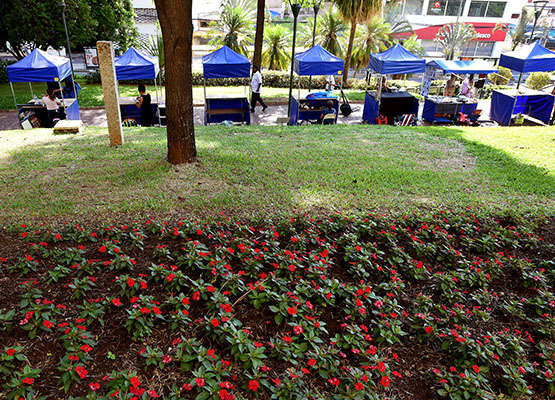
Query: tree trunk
[[258, 39], [349, 50], [177, 31]]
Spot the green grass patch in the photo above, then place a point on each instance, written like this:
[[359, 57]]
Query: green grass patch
[[261, 171]]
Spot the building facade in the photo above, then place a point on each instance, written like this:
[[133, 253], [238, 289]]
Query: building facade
[[429, 16]]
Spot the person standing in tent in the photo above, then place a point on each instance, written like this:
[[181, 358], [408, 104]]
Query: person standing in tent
[[330, 83], [52, 106], [143, 102], [466, 88], [256, 84]]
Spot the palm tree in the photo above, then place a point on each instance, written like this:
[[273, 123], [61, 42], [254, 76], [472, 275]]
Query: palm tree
[[235, 27], [397, 22], [412, 45], [372, 37], [355, 11], [453, 37], [275, 55], [330, 32], [518, 35]]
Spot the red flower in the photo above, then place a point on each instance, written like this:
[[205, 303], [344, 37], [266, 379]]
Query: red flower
[[170, 277], [429, 329], [143, 285], [94, 386], [200, 382], [28, 381], [102, 249], [287, 339], [86, 348], [10, 352], [381, 366], [298, 330], [81, 371], [116, 302], [312, 362], [152, 393], [476, 368], [144, 310], [130, 282], [47, 324], [384, 381], [334, 381], [196, 296], [185, 301], [215, 322], [156, 310], [167, 359], [253, 385], [135, 382], [210, 288], [292, 310], [359, 386]]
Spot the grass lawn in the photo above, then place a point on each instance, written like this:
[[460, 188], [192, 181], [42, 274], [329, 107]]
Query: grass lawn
[[263, 171], [91, 95]]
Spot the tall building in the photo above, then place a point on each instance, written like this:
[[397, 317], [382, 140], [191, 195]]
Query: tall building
[[429, 16]]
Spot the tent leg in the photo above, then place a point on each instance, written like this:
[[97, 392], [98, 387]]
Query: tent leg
[[31, 88], [519, 79], [14, 99]]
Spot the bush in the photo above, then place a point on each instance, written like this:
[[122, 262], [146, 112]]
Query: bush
[[4, 71], [488, 90], [504, 79], [538, 80]]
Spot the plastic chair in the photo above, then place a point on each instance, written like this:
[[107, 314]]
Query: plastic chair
[[329, 119]]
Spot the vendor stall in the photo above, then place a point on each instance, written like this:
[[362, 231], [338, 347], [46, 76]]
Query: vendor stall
[[315, 61], [40, 66], [135, 65], [225, 63], [394, 61], [506, 103]]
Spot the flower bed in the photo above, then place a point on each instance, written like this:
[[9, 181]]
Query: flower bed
[[449, 305]]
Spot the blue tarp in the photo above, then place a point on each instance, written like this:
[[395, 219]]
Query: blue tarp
[[529, 58], [134, 64], [39, 66], [535, 104], [318, 61], [463, 67], [396, 60], [225, 63]]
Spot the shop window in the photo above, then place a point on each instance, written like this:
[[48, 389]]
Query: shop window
[[413, 7], [445, 7], [490, 9]]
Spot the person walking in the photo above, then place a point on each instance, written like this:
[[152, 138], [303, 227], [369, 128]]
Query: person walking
[[256, 84]]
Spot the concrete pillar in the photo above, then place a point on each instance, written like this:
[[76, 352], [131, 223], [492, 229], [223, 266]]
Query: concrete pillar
[[110, 89]]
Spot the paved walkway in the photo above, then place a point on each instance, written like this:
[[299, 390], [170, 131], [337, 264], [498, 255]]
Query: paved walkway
[[97, 117]]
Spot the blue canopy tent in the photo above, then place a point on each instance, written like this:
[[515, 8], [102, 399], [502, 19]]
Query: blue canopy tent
[[136, 65], [463, 67], [39, 66], [225, 63], [314, 61], [530, 58], [394, 61]]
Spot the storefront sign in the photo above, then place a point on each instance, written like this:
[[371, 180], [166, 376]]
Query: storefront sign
[[485, 32]]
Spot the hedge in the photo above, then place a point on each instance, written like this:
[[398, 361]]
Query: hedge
[[4, 71]]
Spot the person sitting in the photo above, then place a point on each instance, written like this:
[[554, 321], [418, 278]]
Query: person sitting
[[329, 110], [52, 104], [385, 85], [450, 87], [143, 102]]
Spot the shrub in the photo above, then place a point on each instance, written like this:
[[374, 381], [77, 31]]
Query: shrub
[[538, 80], [502, 77], [4, 71]]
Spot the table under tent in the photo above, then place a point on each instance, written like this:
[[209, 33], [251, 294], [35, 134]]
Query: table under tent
[[135, 65], [226, 63], [533, 103], [313, 62], [39, 66], [444, 109], [395, 61]]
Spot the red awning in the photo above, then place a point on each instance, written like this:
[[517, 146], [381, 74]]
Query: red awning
[[484, 30]]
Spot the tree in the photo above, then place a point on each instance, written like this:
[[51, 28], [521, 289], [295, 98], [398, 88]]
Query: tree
[[27, 24], [397, 22], [177, 31], [235, 28], [259, 35], [330, 32], [453, 37], [518, 35], [412, 45], [277, 40], [354, 12], [372, 37]]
